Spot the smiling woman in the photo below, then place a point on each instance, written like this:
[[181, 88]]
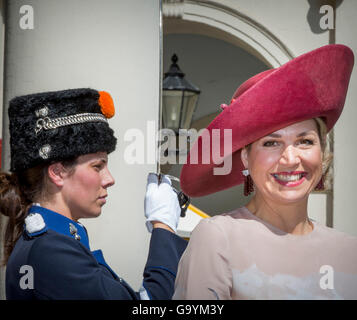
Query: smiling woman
[[316, 137], [285, 165], [270, 248]]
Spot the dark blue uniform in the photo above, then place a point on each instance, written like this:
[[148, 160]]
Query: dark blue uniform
[[56, 263]]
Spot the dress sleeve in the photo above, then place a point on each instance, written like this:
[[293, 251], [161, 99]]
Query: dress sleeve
[[204, 272]]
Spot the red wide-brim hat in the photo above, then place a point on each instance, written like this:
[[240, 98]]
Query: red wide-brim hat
[[309, 86]]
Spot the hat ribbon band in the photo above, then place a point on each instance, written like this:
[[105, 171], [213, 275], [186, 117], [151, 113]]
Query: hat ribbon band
[[49, 124]]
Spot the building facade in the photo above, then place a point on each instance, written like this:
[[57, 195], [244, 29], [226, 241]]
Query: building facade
[[124, 47]]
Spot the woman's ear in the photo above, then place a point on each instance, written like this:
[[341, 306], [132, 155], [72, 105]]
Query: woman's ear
[[56, 173], [244, 157]]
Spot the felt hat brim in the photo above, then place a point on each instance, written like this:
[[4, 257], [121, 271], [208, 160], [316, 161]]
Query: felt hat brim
[[312, 85]]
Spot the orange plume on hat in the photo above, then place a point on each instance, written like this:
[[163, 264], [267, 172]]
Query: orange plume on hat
[[106, 104]]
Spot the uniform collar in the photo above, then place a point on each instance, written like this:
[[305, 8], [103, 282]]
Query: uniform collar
[[62, 224]]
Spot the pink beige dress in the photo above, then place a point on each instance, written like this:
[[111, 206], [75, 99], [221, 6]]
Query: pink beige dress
[[239, 256]]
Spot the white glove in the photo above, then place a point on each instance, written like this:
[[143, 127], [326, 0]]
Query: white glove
[[161, 203]]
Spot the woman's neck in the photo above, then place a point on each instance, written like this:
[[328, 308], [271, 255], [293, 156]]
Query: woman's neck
[[57, 205], [290, 218]]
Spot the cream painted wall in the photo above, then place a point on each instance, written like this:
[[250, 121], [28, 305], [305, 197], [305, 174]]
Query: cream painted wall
[[286, 19], [108, 45]]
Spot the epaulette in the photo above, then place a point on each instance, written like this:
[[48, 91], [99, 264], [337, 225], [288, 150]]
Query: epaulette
[[35, 225]]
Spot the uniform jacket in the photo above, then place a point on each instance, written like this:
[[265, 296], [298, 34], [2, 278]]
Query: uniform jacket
[[56, 263]]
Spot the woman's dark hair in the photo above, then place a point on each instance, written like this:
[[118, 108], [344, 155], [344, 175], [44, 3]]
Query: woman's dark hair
[[17, 193]]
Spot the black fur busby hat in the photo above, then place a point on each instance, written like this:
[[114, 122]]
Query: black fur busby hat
[[59, 125]]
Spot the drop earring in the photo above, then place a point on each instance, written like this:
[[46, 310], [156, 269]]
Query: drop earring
[[248, 183], [321, 185]]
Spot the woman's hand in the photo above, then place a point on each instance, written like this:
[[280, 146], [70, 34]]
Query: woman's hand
[[162, 209]]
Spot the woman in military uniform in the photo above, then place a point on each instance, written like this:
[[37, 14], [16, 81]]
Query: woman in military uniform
[[60, 143]]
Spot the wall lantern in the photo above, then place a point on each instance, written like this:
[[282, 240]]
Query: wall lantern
[[179, 99]]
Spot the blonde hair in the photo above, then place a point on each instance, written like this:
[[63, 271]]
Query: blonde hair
[[327, 156]]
